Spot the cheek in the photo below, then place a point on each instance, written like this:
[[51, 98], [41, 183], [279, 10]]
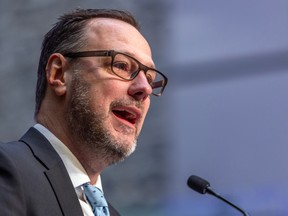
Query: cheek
[[102, 88], [103, 93], [112, 89]]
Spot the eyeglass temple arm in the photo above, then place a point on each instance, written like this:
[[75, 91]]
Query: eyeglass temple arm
[[158, 84]]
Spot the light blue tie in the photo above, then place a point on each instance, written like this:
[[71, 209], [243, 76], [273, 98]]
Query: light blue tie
[[96, 199]]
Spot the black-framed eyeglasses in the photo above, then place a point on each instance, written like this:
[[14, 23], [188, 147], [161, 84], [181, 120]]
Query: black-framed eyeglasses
[[127, 68]]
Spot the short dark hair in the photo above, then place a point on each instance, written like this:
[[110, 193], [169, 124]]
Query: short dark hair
[[67, 35]]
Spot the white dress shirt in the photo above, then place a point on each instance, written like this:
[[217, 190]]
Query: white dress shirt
[[74, 168]]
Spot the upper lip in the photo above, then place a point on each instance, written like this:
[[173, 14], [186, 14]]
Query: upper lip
[[130, 114]]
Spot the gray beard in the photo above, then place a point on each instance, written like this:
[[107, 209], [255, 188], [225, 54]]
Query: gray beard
[[88, 129]]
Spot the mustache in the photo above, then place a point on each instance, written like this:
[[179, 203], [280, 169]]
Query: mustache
[[126, 102]]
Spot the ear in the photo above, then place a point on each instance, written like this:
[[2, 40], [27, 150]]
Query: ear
[[55, 73]]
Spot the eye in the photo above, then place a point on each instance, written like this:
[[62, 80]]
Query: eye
[[150, 78], [124, 66]]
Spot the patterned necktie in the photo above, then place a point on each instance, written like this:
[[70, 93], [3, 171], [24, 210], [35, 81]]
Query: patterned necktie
[[96, 200]]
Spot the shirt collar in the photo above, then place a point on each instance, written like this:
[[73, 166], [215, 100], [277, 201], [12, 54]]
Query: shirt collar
[[74, 168]]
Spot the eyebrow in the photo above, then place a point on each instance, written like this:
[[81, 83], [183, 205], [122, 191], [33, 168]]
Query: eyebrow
[[132, 54]]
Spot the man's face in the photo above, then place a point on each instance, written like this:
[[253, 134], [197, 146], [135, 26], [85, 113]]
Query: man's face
[[107, 113]]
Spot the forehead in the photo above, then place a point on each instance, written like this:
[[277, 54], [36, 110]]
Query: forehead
[[113, 34]]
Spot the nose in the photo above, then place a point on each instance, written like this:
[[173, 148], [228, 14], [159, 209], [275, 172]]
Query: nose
[[140, 89]]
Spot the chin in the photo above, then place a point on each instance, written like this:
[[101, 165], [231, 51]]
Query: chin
[[128, 147], [122, 151]]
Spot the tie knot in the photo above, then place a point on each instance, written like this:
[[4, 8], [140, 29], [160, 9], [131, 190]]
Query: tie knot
[[94, 196]]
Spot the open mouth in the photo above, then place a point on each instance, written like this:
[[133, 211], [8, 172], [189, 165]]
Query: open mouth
[[128, 115]]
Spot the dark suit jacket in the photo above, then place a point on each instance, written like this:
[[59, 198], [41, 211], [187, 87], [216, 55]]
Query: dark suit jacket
[[34, 180]]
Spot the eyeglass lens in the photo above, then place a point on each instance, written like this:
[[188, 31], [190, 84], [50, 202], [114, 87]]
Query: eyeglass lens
[[128, 68]]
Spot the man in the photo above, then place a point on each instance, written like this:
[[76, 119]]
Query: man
[[95, 78]]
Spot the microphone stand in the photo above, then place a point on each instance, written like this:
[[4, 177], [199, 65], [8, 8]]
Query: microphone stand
[[202, 186], [211, 192]]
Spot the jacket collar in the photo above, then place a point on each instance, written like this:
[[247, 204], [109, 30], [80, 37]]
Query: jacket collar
[[56, 172]]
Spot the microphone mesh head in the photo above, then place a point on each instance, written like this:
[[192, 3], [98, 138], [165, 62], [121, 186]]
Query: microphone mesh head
[[198, 184]]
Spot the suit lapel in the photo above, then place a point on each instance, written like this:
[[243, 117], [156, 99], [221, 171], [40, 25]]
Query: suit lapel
[[56, 172], [63, 188]]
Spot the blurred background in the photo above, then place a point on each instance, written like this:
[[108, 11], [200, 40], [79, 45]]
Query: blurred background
[[223, 115]]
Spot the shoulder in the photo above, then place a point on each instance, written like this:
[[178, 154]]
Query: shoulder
[[11, 178], [15, 151], [13, 155]]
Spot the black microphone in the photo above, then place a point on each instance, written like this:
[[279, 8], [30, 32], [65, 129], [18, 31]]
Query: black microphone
[[202, 186]]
